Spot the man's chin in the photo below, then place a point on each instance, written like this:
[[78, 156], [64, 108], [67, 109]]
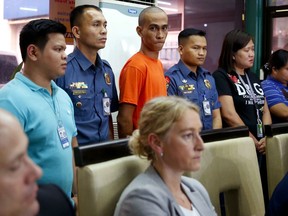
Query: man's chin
[[28, 210], [60, 74], [159, 47], [34, 208]]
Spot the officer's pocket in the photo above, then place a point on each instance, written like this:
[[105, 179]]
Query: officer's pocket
[[83, 105]]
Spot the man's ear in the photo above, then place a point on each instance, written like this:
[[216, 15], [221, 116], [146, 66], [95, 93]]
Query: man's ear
[[155, 143], [139, 30], [180, 49], [76, 31], [32, 52]]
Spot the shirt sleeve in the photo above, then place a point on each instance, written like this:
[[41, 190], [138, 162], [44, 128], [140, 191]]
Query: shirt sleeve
[[130, 85], [273, 93], [172, 88], [216, 102], [222, 83], [12, 107]]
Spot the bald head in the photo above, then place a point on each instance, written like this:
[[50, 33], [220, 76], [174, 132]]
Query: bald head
[[146, 12]]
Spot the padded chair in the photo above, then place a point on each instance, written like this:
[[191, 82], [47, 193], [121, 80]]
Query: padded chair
[[100, 185], [228, 164], [276, 154], [231, 166]]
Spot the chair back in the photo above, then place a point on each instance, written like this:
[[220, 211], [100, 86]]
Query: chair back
[[100, 185], [100, 175], [276, 154], [231, 166]]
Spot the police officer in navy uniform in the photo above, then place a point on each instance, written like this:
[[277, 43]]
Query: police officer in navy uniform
[[188, 79], [89, 80]]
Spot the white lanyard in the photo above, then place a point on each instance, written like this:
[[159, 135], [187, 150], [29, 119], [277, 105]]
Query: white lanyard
[[60, 128], [259, 126], [250, 89], [251, 93]]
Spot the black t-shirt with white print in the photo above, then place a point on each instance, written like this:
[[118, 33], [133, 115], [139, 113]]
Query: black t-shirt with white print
[[230, 84]]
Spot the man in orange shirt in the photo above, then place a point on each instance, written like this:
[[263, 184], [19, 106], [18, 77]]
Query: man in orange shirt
[[142, 77]]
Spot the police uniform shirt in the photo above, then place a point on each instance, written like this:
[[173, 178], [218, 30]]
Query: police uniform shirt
[[87, 85], [183, 82]]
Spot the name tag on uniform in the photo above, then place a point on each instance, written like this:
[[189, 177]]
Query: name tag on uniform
[[206, 107], [106, 106], [79, 91], [106, 103]]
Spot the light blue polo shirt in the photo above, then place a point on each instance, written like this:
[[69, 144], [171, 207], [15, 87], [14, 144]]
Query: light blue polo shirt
[[40, 115], [182, 82], [87, 84]]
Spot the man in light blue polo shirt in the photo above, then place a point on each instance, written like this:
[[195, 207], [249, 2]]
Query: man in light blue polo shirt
[[89, 80], [188, 79], [43, 109]]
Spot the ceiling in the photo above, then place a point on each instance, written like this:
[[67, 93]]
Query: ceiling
[[198, 6], [17, 9]]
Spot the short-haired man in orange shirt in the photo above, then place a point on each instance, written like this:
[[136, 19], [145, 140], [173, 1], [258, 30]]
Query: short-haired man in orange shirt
[[142, 77]]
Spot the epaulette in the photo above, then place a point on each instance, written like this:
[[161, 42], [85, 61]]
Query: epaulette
[[70, 57], [106, 62]]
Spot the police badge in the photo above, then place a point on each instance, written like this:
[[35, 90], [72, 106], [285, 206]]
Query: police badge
[[107, 78], [207, 84]]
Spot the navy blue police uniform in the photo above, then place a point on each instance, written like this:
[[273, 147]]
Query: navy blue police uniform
[[93, 92], [200, 89]]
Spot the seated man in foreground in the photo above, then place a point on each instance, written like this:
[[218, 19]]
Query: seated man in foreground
[[18, 173], [19, 194]]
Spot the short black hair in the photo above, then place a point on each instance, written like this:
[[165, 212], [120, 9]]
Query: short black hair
[[36, 32], [277, 60], [184, 34], [78, 11]]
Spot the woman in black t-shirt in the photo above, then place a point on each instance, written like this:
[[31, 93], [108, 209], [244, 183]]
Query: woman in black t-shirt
[[234, 81], [240, 93]]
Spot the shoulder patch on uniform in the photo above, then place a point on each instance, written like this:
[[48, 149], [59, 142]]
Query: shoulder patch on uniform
[[167, 81], [107, 78]]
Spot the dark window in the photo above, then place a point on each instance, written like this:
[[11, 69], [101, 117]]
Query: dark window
[[8, 63]]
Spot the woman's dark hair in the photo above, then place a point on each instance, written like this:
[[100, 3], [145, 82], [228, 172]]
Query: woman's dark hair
[[233, 41], [277, 60]]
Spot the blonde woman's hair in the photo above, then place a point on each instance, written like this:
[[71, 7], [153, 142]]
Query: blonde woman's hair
[[157, 116]]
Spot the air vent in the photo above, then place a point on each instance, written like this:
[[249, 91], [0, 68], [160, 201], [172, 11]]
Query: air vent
[[142, 2]]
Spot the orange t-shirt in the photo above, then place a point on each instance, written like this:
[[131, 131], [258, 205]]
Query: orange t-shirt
[[141, 79]]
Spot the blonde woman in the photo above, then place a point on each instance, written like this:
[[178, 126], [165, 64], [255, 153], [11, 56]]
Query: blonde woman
[[168, 136]]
